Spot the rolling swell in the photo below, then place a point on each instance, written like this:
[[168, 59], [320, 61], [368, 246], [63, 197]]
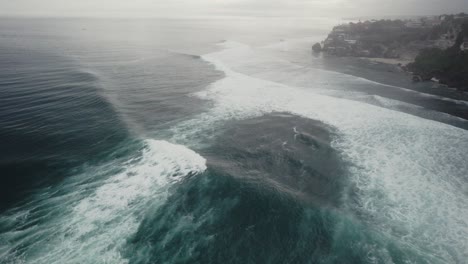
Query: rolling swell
[[52, 118], [271, 194], [89, 216], [406, 174], [155, 93], [282, 152], [364, 184]]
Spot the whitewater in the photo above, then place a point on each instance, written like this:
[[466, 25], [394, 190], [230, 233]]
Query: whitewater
[[406, 177], [74, 227]]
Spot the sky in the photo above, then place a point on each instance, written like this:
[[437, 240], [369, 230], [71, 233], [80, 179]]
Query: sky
[[186, 8]]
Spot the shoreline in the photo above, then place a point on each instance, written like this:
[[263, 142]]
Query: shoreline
[[431, 48], [395, 62]]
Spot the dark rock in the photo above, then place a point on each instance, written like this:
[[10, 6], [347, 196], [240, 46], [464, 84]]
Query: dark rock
[[317, 47], [417, 78]]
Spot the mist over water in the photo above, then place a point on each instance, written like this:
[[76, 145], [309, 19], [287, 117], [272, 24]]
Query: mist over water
[[221, 141]]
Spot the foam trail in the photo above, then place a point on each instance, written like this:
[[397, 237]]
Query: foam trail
[[401, 106], [408, 174], [93, 228], [293, 74], [459, 102]]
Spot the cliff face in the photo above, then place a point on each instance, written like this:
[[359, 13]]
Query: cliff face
[[369, 39], [450, 66], [392, 38], [437, 45]]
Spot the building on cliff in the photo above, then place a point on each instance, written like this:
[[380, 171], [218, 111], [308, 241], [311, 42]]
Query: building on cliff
[[464, 46]]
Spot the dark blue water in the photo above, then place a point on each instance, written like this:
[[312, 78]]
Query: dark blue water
[[53, 117], [158, 141]]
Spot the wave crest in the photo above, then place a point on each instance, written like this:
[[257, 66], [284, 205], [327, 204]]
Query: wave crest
[[93, 228]]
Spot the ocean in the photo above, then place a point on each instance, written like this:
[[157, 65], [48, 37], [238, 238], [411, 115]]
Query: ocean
[[221, 140]]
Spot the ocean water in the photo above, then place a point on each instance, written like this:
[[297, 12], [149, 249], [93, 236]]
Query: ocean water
[[221, 141]]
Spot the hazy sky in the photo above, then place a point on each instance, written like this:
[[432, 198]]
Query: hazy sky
[[180, 8]]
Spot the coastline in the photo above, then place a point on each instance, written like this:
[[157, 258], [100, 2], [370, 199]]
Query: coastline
[[390, 61], [430, 49]]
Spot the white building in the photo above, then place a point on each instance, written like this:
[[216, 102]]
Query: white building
[[464, 46]]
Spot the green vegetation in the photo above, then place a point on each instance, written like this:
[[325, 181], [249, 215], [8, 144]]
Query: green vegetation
[[437, 44], [380, 39], [450, 66]]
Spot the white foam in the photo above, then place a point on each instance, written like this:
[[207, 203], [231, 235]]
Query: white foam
[[459, 102], [409, 173], [293, 74], [96, 227]]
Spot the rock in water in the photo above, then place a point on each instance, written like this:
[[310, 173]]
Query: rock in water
[[317, 47]]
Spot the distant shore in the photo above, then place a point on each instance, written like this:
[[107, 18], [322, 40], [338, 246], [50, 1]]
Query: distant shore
[[432, 48]]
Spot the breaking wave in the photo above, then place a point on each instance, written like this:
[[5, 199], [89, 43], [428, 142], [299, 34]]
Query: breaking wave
[[89, 217], [406, 175]]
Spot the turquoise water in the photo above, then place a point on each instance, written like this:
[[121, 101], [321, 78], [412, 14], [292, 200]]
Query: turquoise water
[[221, 141]]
